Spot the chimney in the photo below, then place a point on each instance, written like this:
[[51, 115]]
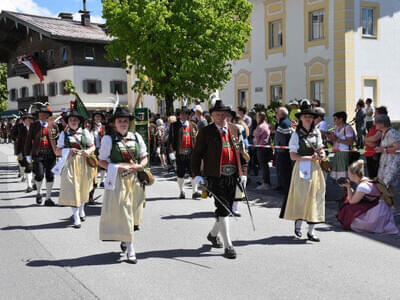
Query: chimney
[[85, 15], [65, 16]]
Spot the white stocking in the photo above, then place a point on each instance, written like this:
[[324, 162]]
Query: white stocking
[[82, 210], [225, 231], [180, 183], [214, 231], [49, 187], [39, 186]]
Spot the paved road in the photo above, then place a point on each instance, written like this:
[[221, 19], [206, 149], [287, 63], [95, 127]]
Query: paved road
[[43, 257]]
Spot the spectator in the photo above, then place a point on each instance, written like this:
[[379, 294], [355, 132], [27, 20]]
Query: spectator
[[242, 112], [294, 109], [201, 121], [160, 133], [369, 112], [342, 138], [253, 163], [364, 209], [360, 123], [321, 124], [389, 163], [315, 103], [261, 138], [373, 140], [282, 156]]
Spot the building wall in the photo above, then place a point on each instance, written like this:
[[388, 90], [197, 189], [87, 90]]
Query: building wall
[[379, 59], [77, 74]]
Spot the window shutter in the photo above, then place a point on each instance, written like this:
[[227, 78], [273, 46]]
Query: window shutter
[[112, 87], [61, 87], [85, 86], [41, 89], [124, 87], [98, 86], [49, 93]]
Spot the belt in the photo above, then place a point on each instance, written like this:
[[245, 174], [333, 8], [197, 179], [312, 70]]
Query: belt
[[185, 151], [44, 150], [228, 170]]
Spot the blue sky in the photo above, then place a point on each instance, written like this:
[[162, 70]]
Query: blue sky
[[53, 7]]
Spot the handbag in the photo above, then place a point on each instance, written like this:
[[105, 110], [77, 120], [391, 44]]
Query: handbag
[[326, 165], [92, 161]]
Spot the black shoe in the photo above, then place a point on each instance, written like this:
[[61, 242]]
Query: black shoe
[[83, 219], [34, 187], [182, 195], [215, 241], [230, 253], [237, 214], [49, 202], [298, 233], [196, 195], [123, 246], [102, 184], [28, 190], [77, 226], [39, 199], [313, 238], [136, 228]]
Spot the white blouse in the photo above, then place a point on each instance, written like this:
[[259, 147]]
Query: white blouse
[[77, 137], [294, 141]]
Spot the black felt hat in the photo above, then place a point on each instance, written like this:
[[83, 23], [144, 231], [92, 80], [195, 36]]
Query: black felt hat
[[185, 110], [72, 113], [44, 109], [121, 113], [306, 109], [219, 106], [98, 112]]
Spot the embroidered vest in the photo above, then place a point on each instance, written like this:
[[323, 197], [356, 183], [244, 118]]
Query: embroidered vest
[[186, 138], [228, 156], [44, 138], [71, 141], [119, 153]]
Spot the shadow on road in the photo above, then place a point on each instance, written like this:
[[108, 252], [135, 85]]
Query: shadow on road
[[198, 215], [109, 258], [56, 225], [274, 240]]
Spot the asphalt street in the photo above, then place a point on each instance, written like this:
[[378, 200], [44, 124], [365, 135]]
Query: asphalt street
[[43, 257]]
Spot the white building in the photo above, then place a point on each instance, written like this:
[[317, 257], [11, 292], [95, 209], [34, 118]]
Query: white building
[[336, 51], [64, 50]]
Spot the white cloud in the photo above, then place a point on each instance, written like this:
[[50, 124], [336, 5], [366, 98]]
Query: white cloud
[[24, 6]]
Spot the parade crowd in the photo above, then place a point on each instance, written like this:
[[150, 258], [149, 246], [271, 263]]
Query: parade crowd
[[219, 151]]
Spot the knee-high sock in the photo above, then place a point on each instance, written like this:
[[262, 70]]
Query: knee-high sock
[[102, 175], [29, 179], [180, 184], [130, 250], [225, 233], [49, 187], [235, 206], [311, 229], [215, 230], [82, 210], [39, 186], [297, 224], [194, 186], [75, 213]]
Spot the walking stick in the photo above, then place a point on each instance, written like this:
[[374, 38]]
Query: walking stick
[[220, 201], [248, 204]]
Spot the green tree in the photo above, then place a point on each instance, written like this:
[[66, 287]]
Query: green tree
[[3, 88], [183, 46]]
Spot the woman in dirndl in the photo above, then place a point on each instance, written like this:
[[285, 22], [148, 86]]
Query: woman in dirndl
[[342, 138], [306, 198], [123, 154], [76, 175]]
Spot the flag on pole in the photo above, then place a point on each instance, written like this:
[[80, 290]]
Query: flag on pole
[[28, 61], [80, 107]]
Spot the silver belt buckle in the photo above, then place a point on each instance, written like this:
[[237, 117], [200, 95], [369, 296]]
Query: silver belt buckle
[[186, 151], [228, 170]]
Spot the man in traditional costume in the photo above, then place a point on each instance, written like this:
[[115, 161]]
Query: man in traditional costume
[[74, 146], [217, 147], [181, 141], [123, 154], [40, 148], [98, 131]]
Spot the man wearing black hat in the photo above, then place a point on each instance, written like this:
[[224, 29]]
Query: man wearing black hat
[[39, 148], [182, 140], [217, 147]]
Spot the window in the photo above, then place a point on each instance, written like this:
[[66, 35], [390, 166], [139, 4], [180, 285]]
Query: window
[[13, 94], [276, 93], [64, 55], [91, 86], [24, 91], [52, 89], [317, 25], [50, 58], [89, 54], [242, 97], [275, 34], [368, 21], [118, 86], [317, 90], [62, 87], [38, 90]]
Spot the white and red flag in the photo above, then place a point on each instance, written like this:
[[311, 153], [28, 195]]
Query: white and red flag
[[28, 61]]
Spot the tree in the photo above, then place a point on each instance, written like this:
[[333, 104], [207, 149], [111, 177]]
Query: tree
[[182, 46], [3, 88]]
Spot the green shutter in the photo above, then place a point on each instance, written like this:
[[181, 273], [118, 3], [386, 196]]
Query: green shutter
[[124, 87], [112, 87], [98, 86], [85, 86]]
